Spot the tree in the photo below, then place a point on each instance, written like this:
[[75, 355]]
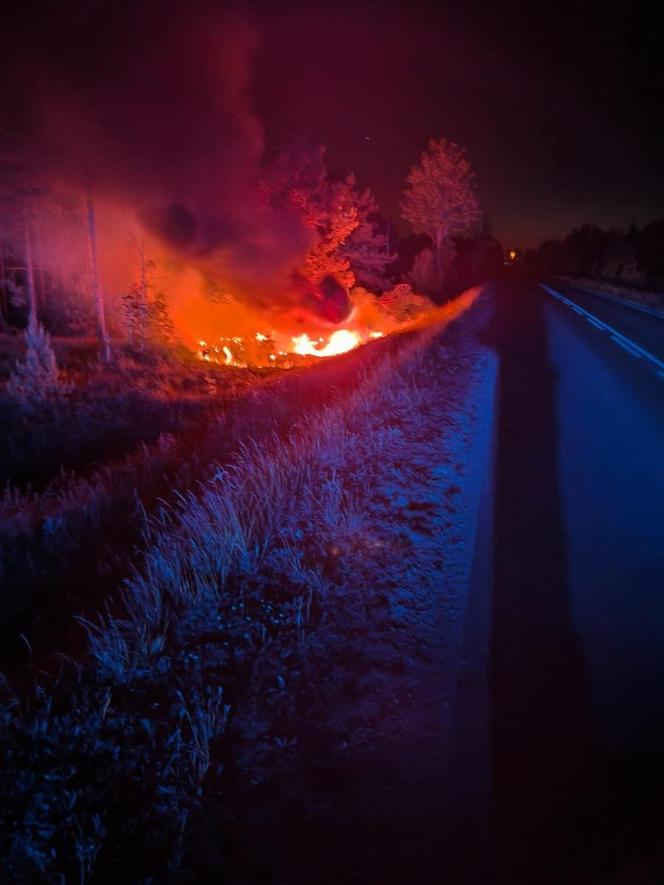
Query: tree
[[135, 299], [297, 183], [346, 243], [338, 220], [618, 258], [160, 324], [146, 312], [583, 249], [650, 248], [135, 310], [367, 249], [36, 378], [485, 252], [440, 199], [97, 291], [430, 271], [30, 271], [19, 187]]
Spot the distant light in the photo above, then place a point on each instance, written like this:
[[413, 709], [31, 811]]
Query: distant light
[[512, 255]]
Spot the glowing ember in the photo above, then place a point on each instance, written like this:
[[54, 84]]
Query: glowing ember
[[339, 342]]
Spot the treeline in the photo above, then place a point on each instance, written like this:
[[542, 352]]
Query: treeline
[[633, 256]]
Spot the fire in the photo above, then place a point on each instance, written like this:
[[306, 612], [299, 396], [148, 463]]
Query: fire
[[339, 342], [234, 333], [222, 352], [266, 351], [281, 349]]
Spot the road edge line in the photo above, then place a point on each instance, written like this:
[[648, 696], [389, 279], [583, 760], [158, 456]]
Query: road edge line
[[604, 326]]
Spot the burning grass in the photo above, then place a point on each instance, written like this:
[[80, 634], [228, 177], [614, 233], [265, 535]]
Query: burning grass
[[281, 351]]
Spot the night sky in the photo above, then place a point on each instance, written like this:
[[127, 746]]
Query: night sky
[[559, 106]]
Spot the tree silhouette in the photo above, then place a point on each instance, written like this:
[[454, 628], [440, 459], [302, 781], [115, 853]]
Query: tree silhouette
[[440, 199]]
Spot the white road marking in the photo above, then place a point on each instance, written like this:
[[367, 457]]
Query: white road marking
[[630, 346], [627, 347], [624, 302]]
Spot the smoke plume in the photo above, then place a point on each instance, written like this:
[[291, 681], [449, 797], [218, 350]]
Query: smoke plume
[[151, 111]]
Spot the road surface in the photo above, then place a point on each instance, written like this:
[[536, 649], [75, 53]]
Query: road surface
[[571, 634]]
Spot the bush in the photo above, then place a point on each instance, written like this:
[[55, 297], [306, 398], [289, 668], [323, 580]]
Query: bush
[[430, 275], [403, 304], [68, 312]]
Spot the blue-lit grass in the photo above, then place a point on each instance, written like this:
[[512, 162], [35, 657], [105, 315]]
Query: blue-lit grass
[[199, 665]]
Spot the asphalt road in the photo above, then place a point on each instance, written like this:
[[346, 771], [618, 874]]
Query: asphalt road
[[575, 675]]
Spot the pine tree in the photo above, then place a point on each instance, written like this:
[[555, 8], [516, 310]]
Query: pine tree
[[160, 324], [146, 312], [135, 309], [36, 378]]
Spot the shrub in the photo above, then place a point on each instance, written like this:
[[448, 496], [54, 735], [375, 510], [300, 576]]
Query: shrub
[[403, 304]]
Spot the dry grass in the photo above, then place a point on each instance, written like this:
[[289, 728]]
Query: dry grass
[[203, 656]]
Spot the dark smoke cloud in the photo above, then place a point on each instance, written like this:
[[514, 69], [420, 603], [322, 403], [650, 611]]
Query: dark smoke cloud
[[149, 106]]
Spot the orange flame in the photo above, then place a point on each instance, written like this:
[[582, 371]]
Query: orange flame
[[232, 351], [278, 348], [339, 342]]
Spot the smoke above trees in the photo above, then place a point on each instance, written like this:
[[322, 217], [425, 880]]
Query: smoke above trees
[[153, 118], [156, 118]]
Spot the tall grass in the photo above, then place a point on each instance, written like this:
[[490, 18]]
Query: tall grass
[[200, 666], [78, 533]]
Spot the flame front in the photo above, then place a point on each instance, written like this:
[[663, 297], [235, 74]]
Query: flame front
[[273, 350], [265, 346], [339, 342]]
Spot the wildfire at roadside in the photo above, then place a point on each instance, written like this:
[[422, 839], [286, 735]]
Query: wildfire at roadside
[[271, 349]]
